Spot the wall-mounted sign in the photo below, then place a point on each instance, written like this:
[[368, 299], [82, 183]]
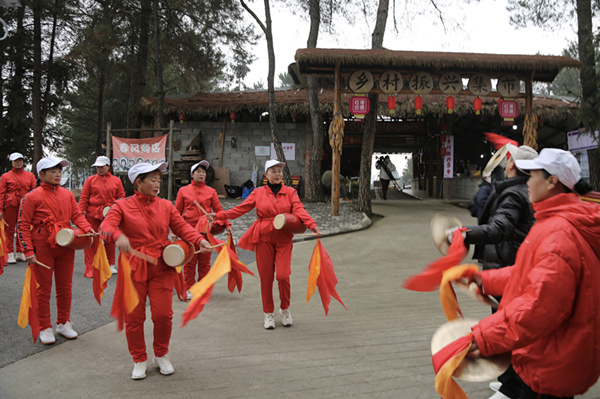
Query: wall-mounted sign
[[359, 106], [509, 109], [289, 151], [449, 157], [480, 84], [390, 82], [421, 83], [508, 86], [262, 150], [361, 81], [450, 83]]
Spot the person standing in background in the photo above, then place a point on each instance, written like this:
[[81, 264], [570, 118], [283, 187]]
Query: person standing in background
[[386, 169], [99, 192], [13, 187], [207, 198]]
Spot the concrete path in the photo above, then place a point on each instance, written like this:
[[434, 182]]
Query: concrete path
[[378, 348]]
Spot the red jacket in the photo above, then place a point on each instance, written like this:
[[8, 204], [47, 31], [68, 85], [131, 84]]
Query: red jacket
[[206, 196], [13, 186], [549, 316], [98, 192], [36, 217], [148, 228], [267, 207]]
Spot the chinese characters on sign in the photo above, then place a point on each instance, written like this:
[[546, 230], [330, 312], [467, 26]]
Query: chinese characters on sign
[[289, 150], [390, 82], [421, 83], [508, 86], [361, 81], [450, 83], [508, 109], [449, 158], [480, 84], [359, 106], [129, 152]]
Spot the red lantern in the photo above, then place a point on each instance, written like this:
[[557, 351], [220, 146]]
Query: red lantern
[[232, 116], [540, 120], [294, 116], [477, 105], [181, 117], [443, 151], [392, 103], [450, 104], [418, 104], [443, 137]]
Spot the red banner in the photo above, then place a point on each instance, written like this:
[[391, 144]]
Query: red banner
[[129, 152]]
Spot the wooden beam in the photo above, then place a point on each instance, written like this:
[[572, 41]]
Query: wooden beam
[[335, 166]]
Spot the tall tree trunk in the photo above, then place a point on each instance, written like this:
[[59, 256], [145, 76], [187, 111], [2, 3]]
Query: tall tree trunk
[[364, 191], [141, 61], [158, 69], [316, 117], [50, 61], [268, 31], [589, 108], [36, 87], [100, 110]]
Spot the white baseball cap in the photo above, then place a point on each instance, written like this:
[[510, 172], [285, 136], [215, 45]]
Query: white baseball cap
[[559, 163], [102, 161], [140, 168], [47, 163], [14, 156], [201, 163], [521, 153], [273, 162]]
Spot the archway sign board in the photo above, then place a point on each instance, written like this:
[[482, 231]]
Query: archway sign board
[[428, 73]]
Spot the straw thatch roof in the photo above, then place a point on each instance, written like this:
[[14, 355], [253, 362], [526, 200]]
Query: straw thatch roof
[[542, 68], [212, 105]]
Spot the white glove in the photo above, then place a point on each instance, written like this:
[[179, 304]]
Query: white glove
[[451, 233]]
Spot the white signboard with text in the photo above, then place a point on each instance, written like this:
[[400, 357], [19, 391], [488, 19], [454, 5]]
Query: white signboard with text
[[289, 150]]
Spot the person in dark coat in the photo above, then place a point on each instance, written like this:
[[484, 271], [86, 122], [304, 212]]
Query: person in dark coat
[[505, 221], [493, 172]]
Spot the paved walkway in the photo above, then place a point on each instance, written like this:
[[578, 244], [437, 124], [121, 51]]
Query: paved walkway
[[378, 348]]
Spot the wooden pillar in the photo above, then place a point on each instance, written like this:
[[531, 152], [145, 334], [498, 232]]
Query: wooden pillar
[[336, 137], [530, 123], [108, 141]]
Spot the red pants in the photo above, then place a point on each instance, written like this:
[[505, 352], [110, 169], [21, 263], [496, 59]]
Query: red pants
[[11, 214], [189, 270], [159, 288], [61, 261], [273, 261], [91, 251]]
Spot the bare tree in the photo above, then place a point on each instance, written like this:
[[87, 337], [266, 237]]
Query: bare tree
[[268, 31], [364, 190]]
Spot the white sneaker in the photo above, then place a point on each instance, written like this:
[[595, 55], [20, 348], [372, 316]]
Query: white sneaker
[[11, 258], [286, 317], [20, 256], [269, 321], [113, 269], [495, 385], [139, 371], [47, 336], [499, 395], [189, 296], [166, 368], [66, 330]]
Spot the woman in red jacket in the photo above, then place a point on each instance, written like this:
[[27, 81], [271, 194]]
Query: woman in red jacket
[[99, 191], [13, 187], [549, 315], [273, 247], [142, 222], [207, 197], [43, 213]]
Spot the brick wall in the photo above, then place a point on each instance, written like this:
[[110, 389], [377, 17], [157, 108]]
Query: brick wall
[[240, 159]]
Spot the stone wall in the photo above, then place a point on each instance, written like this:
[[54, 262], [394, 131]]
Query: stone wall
[[241, 158]]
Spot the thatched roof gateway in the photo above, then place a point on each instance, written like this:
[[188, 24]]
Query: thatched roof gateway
[[212, 105], [541, 68]]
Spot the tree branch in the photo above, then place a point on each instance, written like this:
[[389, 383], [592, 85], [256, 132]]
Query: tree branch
[[258, 21]]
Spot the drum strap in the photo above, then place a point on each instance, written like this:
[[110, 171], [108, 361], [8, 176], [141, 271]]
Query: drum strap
[[139, 267]]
